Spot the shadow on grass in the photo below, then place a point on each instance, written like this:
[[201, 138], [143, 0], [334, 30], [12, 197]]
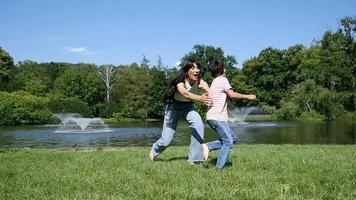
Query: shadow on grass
[[212, 162], [171, 159]]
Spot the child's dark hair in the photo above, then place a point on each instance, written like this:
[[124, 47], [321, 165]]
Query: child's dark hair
[[216, 68], [172, 88]]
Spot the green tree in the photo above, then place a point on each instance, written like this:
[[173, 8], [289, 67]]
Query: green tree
[[31, 77], [308, 97], [273, 73], [6, 66], [23, 108], [36, 78], [159, 84], [331, 62], [82, 81], [145, 62], [349, 47], [58, 103], [132, 91], [108, 75], [53, 70], [239, 84], [205, 54]]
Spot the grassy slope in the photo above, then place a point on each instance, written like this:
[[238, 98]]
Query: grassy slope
[[255, 172]]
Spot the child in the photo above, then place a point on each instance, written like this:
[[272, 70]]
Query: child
[[217, 114]]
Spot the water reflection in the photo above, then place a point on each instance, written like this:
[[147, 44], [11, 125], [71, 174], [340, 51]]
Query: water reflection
[[144, 134], [298, 133]]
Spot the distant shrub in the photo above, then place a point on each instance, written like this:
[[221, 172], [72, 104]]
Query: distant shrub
[[106, 110], [61, 104], [268, 109], [288, 111], [312, 116], [23, 108], [348, 116]]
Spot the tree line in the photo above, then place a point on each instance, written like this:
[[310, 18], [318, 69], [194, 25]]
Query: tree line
[[306, 83]]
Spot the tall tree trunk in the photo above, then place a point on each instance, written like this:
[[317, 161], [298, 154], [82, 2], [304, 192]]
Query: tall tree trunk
[[108, 95], [106, 74]]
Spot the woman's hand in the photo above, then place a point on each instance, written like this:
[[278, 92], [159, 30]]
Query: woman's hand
[[205, 99]]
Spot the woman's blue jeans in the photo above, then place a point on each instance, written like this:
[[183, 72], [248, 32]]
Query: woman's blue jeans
[[224, 143], [174, 112]]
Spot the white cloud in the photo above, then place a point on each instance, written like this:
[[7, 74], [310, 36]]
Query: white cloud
[[177, 63], [78, 50]]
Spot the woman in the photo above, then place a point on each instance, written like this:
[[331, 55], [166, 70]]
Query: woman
[[179, 96]]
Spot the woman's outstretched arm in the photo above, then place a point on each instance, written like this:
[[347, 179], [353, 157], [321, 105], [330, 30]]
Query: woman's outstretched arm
[[194, 97], [204, 85]]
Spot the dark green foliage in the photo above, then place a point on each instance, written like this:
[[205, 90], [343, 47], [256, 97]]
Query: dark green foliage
[[106, 110], [82, 81], [6, 67], [239, 84], [132, 91], [23, 108], [288, 111], [348, 116], [36, 78], [206, 54], [331, 62], [309, 97], [63, 104], [312, 115], [273, 72], [156, 90]]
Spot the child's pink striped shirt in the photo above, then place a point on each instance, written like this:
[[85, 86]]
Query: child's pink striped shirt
[[218, 92]]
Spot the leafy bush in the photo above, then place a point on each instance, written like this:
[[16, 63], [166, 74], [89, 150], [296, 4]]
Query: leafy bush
[[309, 97], [23, 108], [288, 111], [130, 112], [106, 110], [348, 116], [61, 104], [268, 109], [312, 116]]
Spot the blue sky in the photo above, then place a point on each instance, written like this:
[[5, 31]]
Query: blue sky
[[120, 32]]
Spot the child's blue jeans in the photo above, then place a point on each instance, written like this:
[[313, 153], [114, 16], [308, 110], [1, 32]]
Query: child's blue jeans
[[224, 143]]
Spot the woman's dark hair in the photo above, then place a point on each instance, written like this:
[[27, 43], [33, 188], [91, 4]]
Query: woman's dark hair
[[169, 93], [216, 68]]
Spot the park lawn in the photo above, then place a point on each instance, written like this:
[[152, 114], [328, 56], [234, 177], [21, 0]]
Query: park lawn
[[254, 172]]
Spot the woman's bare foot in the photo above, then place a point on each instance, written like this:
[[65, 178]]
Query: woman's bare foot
[[150, 155], [205, 150], [191, 162]]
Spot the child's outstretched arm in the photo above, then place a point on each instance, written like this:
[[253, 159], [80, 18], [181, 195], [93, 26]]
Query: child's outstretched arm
[[234, 95]]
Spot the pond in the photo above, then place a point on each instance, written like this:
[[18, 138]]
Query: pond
[[146, 133]]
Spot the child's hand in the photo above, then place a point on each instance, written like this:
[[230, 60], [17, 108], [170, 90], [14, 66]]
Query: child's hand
[[251, 97]]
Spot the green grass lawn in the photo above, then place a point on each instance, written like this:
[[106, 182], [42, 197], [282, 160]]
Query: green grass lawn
[[255, 172]]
